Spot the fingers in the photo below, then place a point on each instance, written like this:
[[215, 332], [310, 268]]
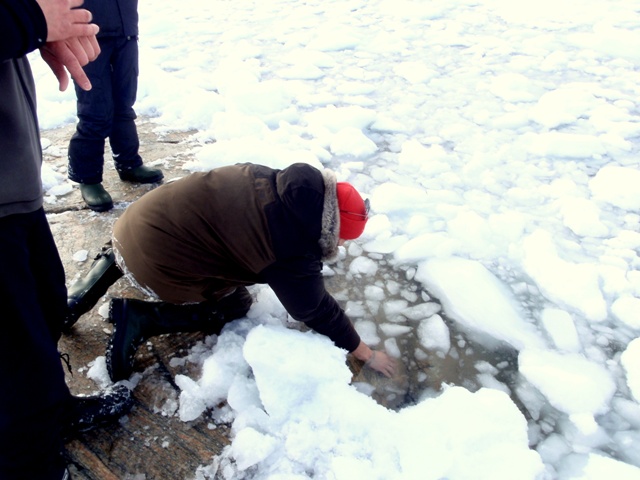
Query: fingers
[[56, 67], [389, 368], [65, 20], [74, 60], [80, 15], [77, 52], [91, 47], [71, 54], [82, 30], [383, 363]]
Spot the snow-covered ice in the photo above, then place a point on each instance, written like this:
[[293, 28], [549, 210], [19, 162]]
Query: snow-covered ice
[[499, 144]]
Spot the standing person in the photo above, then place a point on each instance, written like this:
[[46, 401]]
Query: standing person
[[106, 111], [194, 244], [37, 411]]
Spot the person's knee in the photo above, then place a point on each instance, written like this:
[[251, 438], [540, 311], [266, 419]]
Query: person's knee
[[237, 304]]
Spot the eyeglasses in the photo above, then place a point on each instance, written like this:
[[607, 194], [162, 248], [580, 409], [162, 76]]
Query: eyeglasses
[[367, 207]]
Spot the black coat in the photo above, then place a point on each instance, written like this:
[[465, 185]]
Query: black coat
[[22, 29], [115, 18]]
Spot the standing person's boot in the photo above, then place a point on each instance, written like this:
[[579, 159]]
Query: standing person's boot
[[96, 197], [86, 413], [135, 321], [141, 174], [85, 293]]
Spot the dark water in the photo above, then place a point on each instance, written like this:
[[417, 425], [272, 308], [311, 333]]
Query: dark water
[[422, 371]]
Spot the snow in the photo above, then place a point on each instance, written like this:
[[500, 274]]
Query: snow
[[573, 284], [434, 334], [570, 382], [354, 437], [617, 186], [472, 295], [561, 328], [498, 142], [627, 310], [80, 255], [630, 359]]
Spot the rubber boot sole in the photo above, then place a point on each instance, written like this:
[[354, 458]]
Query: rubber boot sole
[[123, 343]]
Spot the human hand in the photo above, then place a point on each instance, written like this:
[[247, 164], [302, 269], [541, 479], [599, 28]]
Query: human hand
[[381, 362], [65, 20], [73, 54]]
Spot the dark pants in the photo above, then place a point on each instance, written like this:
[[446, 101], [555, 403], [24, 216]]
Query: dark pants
[[106, 111], [32, 306]]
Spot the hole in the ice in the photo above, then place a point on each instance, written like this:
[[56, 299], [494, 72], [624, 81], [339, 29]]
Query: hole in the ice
[[388, 309]]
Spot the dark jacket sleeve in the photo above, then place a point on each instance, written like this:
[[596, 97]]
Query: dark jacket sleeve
[[23, 28], [299, 285]]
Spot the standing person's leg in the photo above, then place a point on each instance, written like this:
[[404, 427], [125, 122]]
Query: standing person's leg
[[124, 134], [37, 411], [95, 114], [35, 395], [49, 275]]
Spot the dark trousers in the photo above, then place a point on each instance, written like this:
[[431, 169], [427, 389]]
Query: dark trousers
[[106, 111], [32, 306]]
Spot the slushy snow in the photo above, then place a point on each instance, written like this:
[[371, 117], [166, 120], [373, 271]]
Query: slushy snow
[[498, 143]]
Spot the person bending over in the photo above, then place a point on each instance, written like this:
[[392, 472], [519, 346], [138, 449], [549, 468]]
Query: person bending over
[[195, 244]]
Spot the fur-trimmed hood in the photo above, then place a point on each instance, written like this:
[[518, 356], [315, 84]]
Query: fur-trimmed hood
[[329, 234]]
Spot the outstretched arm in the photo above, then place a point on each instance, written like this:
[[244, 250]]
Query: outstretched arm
[[301, 290]]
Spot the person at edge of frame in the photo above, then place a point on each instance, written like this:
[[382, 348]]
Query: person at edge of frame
[[37, 411]]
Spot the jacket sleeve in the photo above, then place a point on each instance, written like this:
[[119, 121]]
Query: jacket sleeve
[[23, 28], [300, 287]]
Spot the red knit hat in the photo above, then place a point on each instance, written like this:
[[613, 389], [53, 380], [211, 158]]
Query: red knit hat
[[353, 211]]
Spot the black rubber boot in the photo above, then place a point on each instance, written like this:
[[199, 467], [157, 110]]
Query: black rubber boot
[[87, 413], [141, 174], [135, 321], [96, 197], [236, 304], [85, 293]]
